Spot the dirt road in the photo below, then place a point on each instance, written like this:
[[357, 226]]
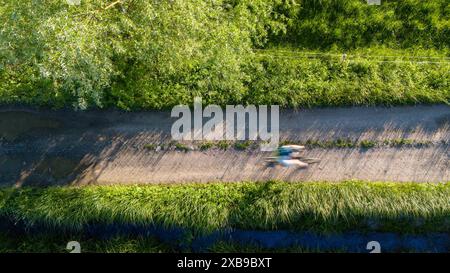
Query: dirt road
[[105, 147]]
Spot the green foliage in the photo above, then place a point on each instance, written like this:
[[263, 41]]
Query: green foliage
[[399, 142], [181, 147], [366, 144], [242, 145], [135, 54], [223, 144], [338, 143], [328, 81], [157, 54], [234, 247], [206, 145], [54, 53], [56, 243], [316, 207], [150, 146], [352, 23]]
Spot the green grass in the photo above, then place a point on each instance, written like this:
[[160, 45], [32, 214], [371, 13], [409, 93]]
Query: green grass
[[242, 145], [233, 247], [367, 144], [401, 142], [371, 53], [309, 143], [181, 147], [206, 145], [354, 23], [338, 143], [317, 207], [150, 146], [56, 243], [223, 144], [290, 80]]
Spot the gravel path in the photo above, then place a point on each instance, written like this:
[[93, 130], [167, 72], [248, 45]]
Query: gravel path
[[106, 147]]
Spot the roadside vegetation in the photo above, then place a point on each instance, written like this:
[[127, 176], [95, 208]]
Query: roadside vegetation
[[338, 143], [233, 247], [56, 243], [131, 218], [157, 54], [27, 243], [320, 207]]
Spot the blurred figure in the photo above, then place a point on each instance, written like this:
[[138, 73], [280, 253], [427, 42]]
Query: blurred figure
[[288, 155]]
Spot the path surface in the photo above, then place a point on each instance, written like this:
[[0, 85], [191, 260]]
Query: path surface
[[105, 147]]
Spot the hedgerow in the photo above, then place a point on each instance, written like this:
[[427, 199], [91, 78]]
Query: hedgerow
[[156, 54]]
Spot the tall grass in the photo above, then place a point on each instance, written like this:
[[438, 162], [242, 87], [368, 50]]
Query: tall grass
[[294, 81], [318, 207], [56, 243], [354, 23]]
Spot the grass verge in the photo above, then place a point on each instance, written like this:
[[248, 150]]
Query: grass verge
[[46, 243], [309, 143], [201, 208], [51, 243]]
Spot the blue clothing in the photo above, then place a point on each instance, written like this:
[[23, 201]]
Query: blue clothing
[[283, 160], [285, 151]]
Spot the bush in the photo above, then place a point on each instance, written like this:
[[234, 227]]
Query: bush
[[157, 54], [134, 54]]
